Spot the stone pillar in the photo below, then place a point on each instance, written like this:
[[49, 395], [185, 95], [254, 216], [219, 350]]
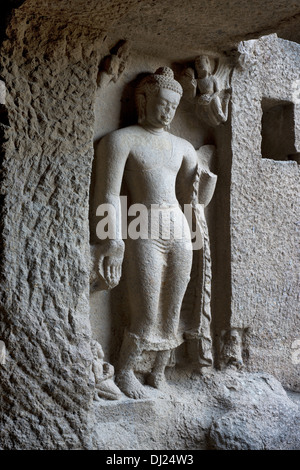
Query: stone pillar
[[264, 208], [49, 73]]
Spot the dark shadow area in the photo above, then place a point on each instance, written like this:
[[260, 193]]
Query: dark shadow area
[[6, 9], [221, 240], [129, 116], [4, 115], [278, 130]]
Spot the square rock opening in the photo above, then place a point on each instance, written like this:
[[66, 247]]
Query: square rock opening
[[278, 130]]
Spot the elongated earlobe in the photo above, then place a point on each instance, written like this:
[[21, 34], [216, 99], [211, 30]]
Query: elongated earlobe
[[141, 109]]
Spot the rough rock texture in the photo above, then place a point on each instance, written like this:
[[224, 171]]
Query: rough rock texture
[[49, 64], [50, 77], [224, 411], [176, 29], [264, 214], [261, 417]]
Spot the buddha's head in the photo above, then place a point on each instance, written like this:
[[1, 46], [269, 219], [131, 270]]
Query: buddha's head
[[157, 98]]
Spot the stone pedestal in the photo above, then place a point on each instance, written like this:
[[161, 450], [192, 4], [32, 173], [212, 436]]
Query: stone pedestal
[[219, 410]]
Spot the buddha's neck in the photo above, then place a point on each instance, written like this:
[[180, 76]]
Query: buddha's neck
[[153, 130]]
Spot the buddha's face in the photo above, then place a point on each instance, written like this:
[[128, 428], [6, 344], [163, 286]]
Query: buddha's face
[[160, 107]]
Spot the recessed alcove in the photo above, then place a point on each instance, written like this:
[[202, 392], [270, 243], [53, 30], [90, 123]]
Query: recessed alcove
[[50, 321], [277, 130]]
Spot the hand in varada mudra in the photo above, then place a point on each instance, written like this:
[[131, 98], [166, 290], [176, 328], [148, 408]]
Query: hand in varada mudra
[[110, 262]]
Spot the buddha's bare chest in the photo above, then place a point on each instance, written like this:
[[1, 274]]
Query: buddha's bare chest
[[159, 155]]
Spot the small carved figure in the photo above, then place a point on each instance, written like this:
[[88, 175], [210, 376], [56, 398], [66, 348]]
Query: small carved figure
[[188, 83], [152, 163], [208, 90], [113, 65], [103, 374], [212, 101], [231, 354]]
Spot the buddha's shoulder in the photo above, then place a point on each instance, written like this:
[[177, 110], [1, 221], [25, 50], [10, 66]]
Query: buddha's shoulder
[[182, 144], [124, 135]]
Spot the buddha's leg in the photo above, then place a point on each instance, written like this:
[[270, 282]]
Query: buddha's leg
[[125, 376], [176, 279], [157, 376], [143, 270]]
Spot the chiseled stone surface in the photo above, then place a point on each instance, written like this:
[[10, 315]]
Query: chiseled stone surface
[[49, 66], [50, 81], [157, 27], [219, 411], [265, 212]]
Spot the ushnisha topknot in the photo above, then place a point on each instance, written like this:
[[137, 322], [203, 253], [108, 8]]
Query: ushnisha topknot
[[162, 78]]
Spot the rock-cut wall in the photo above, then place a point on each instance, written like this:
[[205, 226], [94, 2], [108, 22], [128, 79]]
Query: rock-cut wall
[[49, 74], [265, 207]]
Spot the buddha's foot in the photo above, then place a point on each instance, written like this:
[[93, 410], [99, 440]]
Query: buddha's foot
[[156, 380], [130, 385]]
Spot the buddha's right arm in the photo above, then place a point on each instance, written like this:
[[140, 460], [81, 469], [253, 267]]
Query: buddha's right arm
[[111, 158]]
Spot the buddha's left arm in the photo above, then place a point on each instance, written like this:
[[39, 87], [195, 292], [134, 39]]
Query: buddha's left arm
[[186, 175], [195, 182]]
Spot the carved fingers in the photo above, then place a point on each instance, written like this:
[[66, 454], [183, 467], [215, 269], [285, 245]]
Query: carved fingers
[[110, 262], [113, 271]]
